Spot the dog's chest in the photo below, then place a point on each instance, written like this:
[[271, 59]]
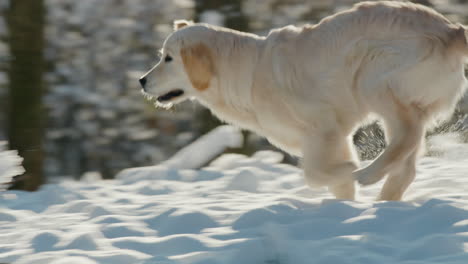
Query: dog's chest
[[281, 130], [274, 123]]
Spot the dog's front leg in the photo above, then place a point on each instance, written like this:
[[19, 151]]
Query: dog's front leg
[[329, 160]]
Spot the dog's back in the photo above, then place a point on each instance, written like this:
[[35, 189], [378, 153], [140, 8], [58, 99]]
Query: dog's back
[[375, 48]]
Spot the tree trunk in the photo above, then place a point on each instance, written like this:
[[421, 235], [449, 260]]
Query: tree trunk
[[25, 116]]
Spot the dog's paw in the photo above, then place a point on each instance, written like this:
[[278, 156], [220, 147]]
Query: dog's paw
[[363, 177]]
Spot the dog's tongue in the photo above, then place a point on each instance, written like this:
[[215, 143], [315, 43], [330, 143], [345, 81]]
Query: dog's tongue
[[170, 95]]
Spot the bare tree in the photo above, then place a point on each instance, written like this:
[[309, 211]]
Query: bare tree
[[25, 114]]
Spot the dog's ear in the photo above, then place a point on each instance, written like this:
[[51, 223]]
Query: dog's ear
[[199, 65], [178, 24]]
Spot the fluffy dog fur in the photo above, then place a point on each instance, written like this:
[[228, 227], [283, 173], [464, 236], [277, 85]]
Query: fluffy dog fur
[[308, 88]]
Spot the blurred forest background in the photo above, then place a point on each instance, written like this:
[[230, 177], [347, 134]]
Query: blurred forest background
[[69, 96]]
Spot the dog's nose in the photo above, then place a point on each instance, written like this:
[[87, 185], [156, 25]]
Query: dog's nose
[[142, 82]]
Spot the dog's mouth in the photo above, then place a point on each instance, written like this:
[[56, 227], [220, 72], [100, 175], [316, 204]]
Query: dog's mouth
[[170, 95]]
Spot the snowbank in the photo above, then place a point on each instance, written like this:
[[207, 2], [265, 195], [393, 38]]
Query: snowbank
[[10, 165], [238, 209]]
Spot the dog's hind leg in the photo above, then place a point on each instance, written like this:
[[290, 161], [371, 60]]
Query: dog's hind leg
[[399, 179], [405, 125]]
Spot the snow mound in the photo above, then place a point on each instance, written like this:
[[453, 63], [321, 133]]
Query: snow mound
[[239, 209], [10, 164], [206, 148]]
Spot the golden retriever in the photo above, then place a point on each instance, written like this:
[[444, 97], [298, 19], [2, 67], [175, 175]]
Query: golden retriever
[[308, 88]]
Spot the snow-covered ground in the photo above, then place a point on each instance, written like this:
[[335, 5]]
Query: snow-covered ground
[[239, 209]]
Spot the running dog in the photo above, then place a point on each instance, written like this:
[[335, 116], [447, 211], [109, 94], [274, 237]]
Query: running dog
[[308, 88]]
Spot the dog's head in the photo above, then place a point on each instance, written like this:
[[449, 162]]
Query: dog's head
[[186, 67]]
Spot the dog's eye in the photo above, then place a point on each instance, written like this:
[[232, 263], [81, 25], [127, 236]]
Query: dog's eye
[[167, 58]]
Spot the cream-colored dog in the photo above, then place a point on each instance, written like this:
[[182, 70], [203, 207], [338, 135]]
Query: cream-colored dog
[[308, 88]]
